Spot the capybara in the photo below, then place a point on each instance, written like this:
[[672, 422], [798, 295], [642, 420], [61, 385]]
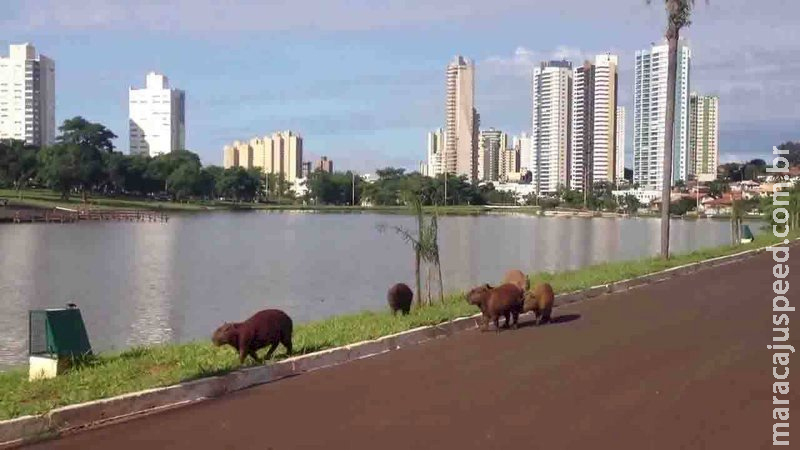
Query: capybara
[[517, 278], [505, 300], [267, 327], [540, 301], [399, 298]]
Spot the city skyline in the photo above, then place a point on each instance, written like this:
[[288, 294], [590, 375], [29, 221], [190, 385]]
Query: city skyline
[[383, 91]]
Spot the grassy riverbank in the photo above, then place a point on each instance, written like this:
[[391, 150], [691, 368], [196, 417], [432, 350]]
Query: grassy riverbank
[[141, 368]]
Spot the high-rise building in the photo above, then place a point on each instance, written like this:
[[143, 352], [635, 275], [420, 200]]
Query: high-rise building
[[620, 172], [27, 96], [704, 136], [552, 91], [649, 116], [157, 117], [325, 165], [492, 144], [461, 121], [523, 144], [305, 171], [436, 146], [594, 110], [509, 164], [280, 153]]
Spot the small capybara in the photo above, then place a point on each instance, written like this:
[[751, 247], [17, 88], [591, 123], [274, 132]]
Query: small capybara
[[505, 300], [399, 298], [517, 278], [540, 301], [268, 327]]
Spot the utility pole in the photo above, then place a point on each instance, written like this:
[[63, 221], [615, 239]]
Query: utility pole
[[353, 202]]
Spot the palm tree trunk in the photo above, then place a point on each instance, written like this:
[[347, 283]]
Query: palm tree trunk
[[441, 283], [419, 281], [669, 131]]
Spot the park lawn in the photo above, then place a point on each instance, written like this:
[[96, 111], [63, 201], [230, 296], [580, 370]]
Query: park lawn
[[139, 368]]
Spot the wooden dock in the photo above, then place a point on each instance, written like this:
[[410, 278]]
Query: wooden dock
[[64, 215]]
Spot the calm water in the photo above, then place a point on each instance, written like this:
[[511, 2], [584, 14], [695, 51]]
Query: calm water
[[144, 283]]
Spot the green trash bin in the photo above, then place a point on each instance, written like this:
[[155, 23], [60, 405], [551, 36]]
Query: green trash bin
[[55, 337]]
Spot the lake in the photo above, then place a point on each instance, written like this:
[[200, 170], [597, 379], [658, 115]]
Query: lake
[[147, 283]]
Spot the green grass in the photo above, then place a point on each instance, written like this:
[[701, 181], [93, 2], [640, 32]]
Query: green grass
[[141, 368]]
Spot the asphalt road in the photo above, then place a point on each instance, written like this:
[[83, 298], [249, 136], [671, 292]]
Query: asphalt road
[[677, 365]]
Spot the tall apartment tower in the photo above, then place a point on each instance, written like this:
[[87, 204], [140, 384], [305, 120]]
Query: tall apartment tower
[[620, 153], [552, 92], [461, 121], [704, 136], [649, 116], [157, 117], [594, 111], [435, 152], [27, 96], [490, 152], [523, 144]]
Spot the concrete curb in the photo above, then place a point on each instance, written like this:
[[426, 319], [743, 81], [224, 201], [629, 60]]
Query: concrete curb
[[71, 418]]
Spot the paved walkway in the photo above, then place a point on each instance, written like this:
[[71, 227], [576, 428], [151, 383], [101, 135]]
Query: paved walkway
[[677, 365]]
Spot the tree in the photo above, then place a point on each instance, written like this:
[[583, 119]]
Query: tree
[[17, 163], [58, 168], [794, 152], [238, 184], [424, 243], [717, 188], [678, 13], [629, 203], [79, 131]]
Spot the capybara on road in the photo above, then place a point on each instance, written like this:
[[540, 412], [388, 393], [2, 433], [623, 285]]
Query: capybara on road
[[399, 298], [516, 277], [267, 327], [540, 300], [505, 300]]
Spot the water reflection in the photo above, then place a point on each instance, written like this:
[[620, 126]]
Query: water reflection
[[142, 283]]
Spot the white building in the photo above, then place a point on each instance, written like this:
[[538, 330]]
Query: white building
[[649, 116], [491, 145], [620, 171], [552, 89], [27, 96], [435, 152], [461, 120], [157, 117], [704, 136], [523, 144]]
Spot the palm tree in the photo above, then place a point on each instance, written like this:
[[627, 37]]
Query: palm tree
[[678, 13]]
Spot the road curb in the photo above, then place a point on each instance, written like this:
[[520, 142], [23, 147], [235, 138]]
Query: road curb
[[72, 418]]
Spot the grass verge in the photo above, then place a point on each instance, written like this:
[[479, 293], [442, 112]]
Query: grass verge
[[141, 368]]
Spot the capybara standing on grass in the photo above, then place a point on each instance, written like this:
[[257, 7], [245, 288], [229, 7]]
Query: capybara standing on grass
[[268, 327], [516, 277], [540, 300], [505, 300], [399, 298]]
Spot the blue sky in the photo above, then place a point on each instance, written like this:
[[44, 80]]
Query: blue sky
[[363, 81]]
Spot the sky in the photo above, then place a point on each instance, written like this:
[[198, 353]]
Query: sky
[[363, 81]]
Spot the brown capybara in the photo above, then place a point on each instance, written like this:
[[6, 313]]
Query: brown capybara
[[517, 278], [505, 300], [267, 327], [540, 300], [399, 298]]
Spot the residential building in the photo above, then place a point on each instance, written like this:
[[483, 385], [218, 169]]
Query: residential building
[[461, 121], [156, 117], [305, 169], [649, 116], [280, 153], [594, 111], [523, 144], [509, 165], [620, 153], [27, 96], [552, 91], [325, 165], [435, 152], [704, 136], [492, 145]]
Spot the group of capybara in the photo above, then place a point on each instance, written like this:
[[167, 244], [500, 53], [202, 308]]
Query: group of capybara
[[271, 327], [512, 298]]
